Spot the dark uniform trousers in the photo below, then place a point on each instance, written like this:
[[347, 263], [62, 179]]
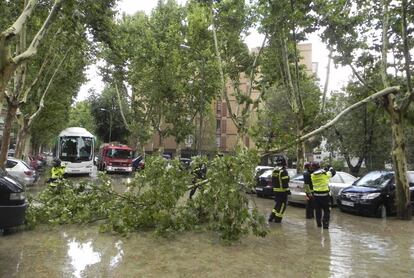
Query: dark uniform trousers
[[309, 196], [322, 203], [310, 207], [280, 206]]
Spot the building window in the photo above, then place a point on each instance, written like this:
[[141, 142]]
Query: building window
[[223, 125], [218, 125], [223, 143], [218, 108]]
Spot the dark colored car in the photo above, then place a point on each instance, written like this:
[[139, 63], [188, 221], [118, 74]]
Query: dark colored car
[[12, 202], [373, 194], [138, 163]]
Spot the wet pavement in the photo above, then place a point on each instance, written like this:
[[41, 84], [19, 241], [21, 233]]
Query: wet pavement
[[354, 246]]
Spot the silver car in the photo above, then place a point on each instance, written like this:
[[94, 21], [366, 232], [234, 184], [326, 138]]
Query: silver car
[[20, 170], [336, 183]]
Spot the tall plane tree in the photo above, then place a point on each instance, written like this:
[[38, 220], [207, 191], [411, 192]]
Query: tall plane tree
[[376, 30], [287, 23], [15, 51]]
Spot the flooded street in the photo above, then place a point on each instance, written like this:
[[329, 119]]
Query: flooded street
[[354, 246]]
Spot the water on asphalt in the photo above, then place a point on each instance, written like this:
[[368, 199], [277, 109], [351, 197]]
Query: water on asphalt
[[354, 246]]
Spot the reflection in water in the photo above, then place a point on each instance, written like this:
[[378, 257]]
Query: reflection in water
[[412, 250], [82, 255], [115, 260], [353, 247]]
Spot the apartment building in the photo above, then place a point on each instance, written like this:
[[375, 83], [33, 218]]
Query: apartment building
[[221, 134], [226, 132]]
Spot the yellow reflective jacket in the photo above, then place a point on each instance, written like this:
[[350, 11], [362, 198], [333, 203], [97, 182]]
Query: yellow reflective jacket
[[320, 181], [57, 172]]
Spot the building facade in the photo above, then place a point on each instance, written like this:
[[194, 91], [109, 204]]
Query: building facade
[[220, 134]]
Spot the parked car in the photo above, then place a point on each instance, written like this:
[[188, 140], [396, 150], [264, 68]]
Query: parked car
[[259, 170], [138, 163], [21, 171], [340, 181], [264, 186], [373, 194], [11, 153], [12, 202], [35, 163]]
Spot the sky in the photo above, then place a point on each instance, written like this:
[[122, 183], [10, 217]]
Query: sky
[[338, 75]]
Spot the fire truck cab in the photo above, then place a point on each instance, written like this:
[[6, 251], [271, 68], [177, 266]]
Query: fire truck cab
[[115, 157]]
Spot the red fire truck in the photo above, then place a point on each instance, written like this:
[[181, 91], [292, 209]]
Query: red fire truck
[[115, 157]]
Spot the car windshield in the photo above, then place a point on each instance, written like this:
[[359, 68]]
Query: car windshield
[[25, 164], [120, 153], [375, 179], [75, 148]]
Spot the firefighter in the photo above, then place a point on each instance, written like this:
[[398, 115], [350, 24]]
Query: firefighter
[[280, 183], [322, 198], [199, 173], [57, 172], [308, 190]]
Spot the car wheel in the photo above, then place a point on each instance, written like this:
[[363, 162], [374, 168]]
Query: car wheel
[[382, 211]]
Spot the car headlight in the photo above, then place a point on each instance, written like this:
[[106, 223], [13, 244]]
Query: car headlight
[[17, 196], [370, 196]]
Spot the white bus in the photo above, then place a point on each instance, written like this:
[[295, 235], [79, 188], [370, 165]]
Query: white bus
[[75, 148]]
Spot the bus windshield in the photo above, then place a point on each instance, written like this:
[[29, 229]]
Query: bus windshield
[[74, 148]]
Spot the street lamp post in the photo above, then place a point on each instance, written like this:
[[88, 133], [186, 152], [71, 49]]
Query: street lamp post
[[203, 84], [110, 122]]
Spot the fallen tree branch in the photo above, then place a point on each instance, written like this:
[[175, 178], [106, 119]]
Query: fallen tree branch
[[384, 92]]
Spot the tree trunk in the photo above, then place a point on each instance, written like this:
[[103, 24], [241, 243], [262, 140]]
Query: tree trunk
[[11, 113], [161, 142], [300, 147], [400, 165], [6, 74], [21, 138], [354, 170], [178, 150]]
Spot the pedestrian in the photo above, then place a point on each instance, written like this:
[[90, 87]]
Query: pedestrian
[[280, 183], [322, 198], [57, 172], [308, 190]]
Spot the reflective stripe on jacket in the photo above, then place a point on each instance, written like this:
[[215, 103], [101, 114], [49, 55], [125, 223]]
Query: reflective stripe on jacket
[[320, 181], [280, 180]]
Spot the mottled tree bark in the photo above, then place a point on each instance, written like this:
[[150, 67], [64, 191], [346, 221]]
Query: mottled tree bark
[[11, 113], [399, 157]]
